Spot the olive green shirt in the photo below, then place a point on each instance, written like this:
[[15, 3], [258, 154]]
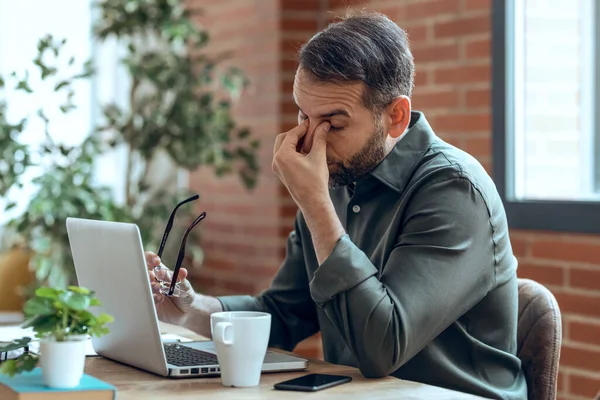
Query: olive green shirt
[[423, 284]]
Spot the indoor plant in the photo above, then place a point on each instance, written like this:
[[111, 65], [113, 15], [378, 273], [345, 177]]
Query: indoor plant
[[61, 319], [179, 108]]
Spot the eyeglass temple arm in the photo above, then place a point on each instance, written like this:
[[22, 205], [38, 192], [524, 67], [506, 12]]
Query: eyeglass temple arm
[[169, 226], [181, 254]]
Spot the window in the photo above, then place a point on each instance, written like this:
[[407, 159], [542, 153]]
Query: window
[[71, 20], [545, 90], [20, 30]]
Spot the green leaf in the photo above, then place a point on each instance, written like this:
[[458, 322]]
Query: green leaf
[[38, 306], [25, 362], [243, 133], [23, 85], [104, 318], [79, 289], [15, 344], [43, 323], [60, 85], [95, 302], [76, 301], [47, 292]]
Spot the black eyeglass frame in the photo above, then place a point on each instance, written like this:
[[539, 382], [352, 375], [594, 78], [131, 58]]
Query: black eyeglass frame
[[181, 253]]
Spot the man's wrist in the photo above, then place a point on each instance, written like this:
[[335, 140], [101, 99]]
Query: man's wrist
[[198, 317], [325, 227]]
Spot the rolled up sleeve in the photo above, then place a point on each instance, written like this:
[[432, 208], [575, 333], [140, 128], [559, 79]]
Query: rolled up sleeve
[[344, 269]]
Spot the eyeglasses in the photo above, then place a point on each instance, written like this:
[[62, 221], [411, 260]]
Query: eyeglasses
[[169, 285]]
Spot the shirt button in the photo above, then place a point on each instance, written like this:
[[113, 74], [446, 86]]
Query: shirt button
[[356, 208]]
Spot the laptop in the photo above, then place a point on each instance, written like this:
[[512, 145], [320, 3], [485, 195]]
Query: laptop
[[109, 259]]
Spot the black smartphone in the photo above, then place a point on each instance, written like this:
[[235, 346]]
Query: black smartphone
[[312, 382]]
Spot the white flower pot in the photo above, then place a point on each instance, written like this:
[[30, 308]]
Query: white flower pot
[[62, 362]]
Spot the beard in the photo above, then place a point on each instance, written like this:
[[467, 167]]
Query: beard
[[361, 163]]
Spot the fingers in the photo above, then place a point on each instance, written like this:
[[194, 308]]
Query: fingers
[[152, 260], [291, 137], [319, 141], [183, 273]]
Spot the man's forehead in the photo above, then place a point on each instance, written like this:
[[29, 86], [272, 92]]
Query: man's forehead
[[311, 94]]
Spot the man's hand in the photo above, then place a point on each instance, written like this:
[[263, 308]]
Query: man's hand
[[172, 310], [190, 309], [306, 176]]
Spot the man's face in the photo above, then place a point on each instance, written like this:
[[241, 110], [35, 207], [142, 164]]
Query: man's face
[[357, 140]]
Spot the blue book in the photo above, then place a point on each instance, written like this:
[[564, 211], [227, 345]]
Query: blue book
[[30, 386]]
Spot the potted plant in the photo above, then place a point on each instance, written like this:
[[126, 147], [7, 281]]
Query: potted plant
[[62, 321]]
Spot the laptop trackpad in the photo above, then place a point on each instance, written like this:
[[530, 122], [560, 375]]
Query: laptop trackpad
[[204, 345]]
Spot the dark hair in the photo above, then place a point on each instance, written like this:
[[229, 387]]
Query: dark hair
[[365, 47]]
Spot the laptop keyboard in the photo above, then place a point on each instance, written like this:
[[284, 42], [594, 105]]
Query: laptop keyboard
[[183, 356]]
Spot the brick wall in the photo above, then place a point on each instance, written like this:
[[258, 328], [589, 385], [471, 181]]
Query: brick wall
[[245, 232]]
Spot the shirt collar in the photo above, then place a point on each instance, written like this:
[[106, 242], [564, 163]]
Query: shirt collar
[[397, 167]]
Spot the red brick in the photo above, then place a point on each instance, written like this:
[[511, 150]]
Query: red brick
[[486, 164], [390, 12], [519, 246], [584, 278], [291, 45], [335, 4], [213, 263], [478, 98], [463, 74], [569, 251], [588, 359], [477, 146], [417, 34], [300, 5], [454, 140], [437, 99], [462, 26], [428, 9], [288, 64], [562, 380], [435, 53], [583, 385], [296, 24], [205, 283], [578, 304], [236, 287], [463, 122], [478, 48], [421, 78], [585, 333], [478, 4], [544, 274], [289, 107]]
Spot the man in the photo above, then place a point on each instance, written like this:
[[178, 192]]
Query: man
[[400, 255]]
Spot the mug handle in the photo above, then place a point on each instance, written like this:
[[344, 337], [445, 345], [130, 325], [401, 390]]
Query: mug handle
[[220, 334]]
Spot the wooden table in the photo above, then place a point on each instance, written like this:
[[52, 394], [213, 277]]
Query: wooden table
[[136, 384]]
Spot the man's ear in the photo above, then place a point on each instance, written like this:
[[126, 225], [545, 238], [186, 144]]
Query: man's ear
[[398, 116]]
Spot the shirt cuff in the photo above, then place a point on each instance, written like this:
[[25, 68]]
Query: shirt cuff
[[239, 303], [346, 267]]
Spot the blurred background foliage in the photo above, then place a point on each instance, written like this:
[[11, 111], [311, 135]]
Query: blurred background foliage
[[179, 108]]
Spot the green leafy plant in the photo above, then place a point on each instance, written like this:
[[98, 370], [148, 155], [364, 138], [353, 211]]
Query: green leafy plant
[[179, 108], [59, 315]]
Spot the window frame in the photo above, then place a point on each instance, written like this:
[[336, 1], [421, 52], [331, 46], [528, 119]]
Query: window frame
[[552, 215]]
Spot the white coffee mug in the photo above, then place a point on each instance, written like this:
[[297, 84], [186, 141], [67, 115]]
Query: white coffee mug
[[241, 340]]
